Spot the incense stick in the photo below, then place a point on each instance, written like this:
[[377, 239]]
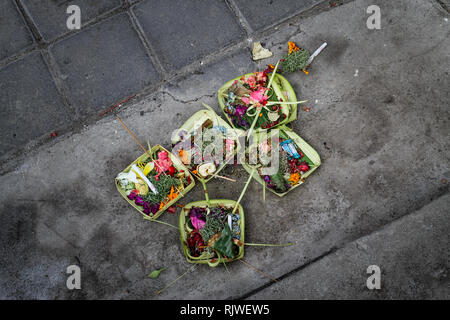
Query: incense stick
[[171, 283], [225, 178], [139, 143], [268, 244], [165, 223], [134, 137], [264, 274]]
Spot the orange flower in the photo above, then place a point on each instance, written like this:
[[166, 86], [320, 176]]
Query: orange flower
[[292, 47], [294, 178], [172, 195]]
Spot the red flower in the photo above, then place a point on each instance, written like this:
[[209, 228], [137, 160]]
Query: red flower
[[172, 170], [303, 167], [194, 242]]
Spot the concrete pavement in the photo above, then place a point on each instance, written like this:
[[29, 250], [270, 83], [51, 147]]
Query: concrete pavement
[[379, 119]]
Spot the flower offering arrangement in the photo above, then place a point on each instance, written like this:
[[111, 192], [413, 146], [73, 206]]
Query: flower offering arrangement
[[152, 185]]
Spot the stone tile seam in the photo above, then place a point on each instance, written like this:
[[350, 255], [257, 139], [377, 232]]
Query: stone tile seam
[[239, 17], [224, 52], [162, 72]]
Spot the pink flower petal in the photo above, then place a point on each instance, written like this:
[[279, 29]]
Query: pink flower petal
[[197, 223]]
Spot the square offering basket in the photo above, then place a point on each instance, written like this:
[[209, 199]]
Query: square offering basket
[[184, 229], [304, 147], [176, 163], [201, 117], [283, 90]]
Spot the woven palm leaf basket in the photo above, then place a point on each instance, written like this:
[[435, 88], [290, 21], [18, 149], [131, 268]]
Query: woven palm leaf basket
[[179, 181], [210, 251], [294, 168], [206, 119], [239, 112]]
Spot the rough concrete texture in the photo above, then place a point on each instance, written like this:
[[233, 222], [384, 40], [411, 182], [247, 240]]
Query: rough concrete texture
[[412, 253], [379, 119]]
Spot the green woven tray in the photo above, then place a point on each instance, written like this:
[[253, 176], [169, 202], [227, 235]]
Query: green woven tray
[[176, 163], [306, 149], [202, 116], [283, 90], [184, 232]]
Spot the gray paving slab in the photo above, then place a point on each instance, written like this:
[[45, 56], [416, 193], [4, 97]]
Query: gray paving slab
[[50, 16], [382, 134], [103, 64], [30, 104], [183, 31], [14, 34], [261, 14], [412, 253]]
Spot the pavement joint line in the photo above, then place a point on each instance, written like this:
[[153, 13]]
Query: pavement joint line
[[280, 278], [162, 72], [60, 87], [242, 21], [37, 37], [340, 247]]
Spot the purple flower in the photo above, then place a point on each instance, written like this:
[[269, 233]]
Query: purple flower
[[139, 201], [149, 208], [198, 220], [244, 123], [240, 110], [267, 179], [132, 195], [154, 208], [146, 206]]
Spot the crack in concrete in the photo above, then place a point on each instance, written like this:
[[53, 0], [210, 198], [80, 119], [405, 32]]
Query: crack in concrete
[[188, 101]]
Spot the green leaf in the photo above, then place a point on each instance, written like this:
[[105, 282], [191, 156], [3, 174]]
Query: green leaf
[[278, 180], [155, 273], [225, 243]]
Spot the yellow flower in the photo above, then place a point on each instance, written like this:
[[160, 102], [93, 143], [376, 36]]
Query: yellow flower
[[292, 47]]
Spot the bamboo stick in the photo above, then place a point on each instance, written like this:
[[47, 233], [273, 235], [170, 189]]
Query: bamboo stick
[[225, 178], [243, 190], [268, 244], [205, 190]]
